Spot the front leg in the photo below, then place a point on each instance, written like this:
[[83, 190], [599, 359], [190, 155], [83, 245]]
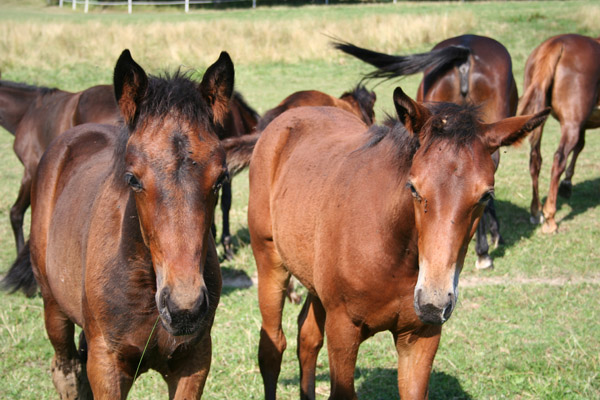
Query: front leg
[[187, 374], [416, 351], [109, 376]]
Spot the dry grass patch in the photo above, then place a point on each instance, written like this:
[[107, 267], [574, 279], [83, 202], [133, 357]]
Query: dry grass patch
[[197, 43], [588, 17]]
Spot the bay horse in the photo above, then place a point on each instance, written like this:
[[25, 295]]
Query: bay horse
[[375, 223], [562, 73], [120, 235], [240, 120], [466, 69], [35, 115]]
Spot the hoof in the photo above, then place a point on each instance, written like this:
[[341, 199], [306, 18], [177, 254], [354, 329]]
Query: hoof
[[484, 262], [537, 219], [565, 188], [228, 248], [549, 227]]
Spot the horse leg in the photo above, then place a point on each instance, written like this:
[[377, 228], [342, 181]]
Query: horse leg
[[484, 261], [493, 223], [343, 340], [67, 370], [570, 133], [566, 186], [273, 279], [416, 351], [17, 211], [225, 207], [109, 376], [186, 380], [311, 324], [535, 164]]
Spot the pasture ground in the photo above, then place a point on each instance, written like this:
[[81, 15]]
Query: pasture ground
[[527, 329]]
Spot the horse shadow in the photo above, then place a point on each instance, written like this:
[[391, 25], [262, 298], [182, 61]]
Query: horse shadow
[[585, 195]]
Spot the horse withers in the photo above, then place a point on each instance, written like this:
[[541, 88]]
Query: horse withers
[[562, 73], [466, 69], [120, 235], [375, 223]]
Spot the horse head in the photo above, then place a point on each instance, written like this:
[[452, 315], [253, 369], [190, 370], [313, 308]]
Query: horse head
[[174, 166], [451, 180]]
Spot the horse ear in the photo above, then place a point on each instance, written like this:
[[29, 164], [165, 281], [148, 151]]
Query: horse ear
[[130, 83], [512, 130], [217, 86], [411, 113]]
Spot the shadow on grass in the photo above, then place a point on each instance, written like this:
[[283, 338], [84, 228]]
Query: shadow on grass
[[584, 196], [514, 226]]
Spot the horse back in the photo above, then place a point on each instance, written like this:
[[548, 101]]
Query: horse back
[[97, 104], [68, 179]]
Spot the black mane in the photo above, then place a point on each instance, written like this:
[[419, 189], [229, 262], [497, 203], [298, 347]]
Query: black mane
[[365, 100]]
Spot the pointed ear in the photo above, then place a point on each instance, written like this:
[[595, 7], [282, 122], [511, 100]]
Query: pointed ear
[[512, 130], [130, 83], [217, 86], [411, 113]]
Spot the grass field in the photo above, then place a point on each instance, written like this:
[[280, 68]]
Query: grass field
[[529, 329]]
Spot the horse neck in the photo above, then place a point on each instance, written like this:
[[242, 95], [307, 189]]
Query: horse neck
[[14, 103]]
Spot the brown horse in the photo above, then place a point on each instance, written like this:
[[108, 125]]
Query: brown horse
[[120, 235], [562, 73], [36, 115], [240, 120], [358, 101], [375, 223], [466, 69]]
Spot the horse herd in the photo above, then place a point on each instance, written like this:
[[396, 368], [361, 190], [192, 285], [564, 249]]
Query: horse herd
[[374, 220]]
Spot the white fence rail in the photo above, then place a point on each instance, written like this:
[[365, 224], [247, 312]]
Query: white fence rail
[[131, 3]]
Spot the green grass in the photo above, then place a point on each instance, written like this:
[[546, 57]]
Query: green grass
[[529, 329]]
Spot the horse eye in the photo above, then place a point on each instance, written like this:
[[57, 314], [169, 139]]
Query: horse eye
[[222, 180], [413, 191], [487, 197], [133, 182]]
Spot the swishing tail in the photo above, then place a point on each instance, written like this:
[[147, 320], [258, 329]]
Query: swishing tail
[[539, 74], [239, 152], [20, 276], [389, 66]]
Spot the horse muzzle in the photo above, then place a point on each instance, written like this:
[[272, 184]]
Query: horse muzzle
[[182, 320], [434, 308]]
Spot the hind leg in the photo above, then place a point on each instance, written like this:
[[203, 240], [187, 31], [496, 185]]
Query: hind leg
[[535, 164], [273, 279], [493, 223], [225, 207], [311, 325], [570, 133], [68, 374], [565, 188], [17, 211], [484, 261]]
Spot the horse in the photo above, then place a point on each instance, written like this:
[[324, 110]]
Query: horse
[[240, 120], [121, 235], [35, 115], [562, 73], [464, 69], [358, 101], [375, 223]]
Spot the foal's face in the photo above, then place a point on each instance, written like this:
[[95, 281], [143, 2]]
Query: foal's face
[[175, 171], [451, 186]]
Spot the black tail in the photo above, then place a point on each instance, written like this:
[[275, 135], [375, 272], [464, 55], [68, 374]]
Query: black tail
[[394, 66], [20, 275], [238, 151]]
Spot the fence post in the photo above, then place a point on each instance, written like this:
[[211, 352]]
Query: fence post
[[129, 6], [85, 9], [187, 6], [60, 3], [253, 3], [74, 4]]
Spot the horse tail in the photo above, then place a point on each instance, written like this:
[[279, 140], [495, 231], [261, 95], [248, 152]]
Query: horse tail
[[238, 151], [389, 66], [20, 275], [539, 74]]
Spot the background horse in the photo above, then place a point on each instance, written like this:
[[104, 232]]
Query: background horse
[[467, 69], [375, 223], [36, 115], [120, 235], [562, 73], [240, 120]]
